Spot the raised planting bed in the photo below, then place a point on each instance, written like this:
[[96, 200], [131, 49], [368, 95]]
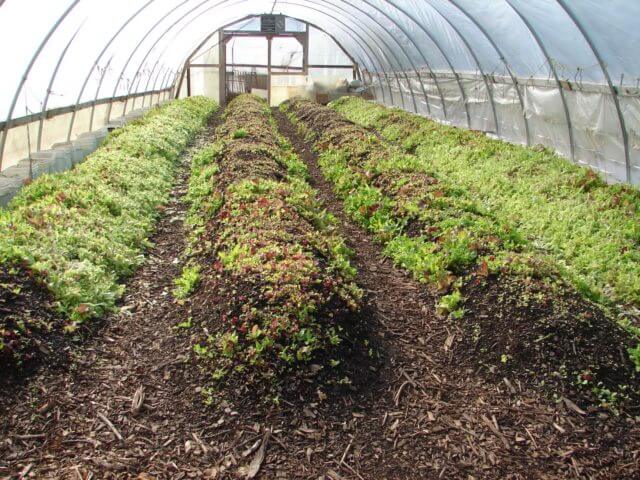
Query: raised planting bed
[[517, 314], [429, 227], [71, 238], [590, 228], [30, 324], [275, 282]]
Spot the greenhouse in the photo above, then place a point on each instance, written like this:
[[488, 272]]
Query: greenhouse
[[328, 239]]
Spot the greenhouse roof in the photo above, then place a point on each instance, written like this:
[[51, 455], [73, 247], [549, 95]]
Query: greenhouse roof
[[86, 50]]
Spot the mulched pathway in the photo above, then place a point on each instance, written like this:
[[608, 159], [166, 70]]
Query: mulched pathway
[[131, 403], [124, 405]]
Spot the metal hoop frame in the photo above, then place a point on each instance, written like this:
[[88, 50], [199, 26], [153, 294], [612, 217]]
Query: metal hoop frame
[[387, 53], [554, 71]]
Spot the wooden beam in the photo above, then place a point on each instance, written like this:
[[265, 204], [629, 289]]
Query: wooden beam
[[188, 80], [305, 51], [222, 71], [269, 42]]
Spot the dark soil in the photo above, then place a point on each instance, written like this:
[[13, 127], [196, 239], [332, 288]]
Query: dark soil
[[30, 326], [289, 272], [549, 337], [417, 408]]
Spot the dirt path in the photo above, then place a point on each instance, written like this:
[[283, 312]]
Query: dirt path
[[81, 423], [407, 409]]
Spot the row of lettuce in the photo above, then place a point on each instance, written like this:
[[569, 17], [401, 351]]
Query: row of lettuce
[[437, 230], [263, 252], [590, 229], [80, 233], [427, 225]]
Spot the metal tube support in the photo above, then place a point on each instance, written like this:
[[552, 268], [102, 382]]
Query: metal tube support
[[146, 87], [305, 52], [502, 57], [605, 71], [475, 59], [133, 52], [167, 72], [540, 43], [169, 43], [269, 45], [45, 103], [222, 70], [219, 32], [347, 32], [358, 38], [415, 105], [95, 64], [346, 27], [197, 49], [167, 75], [415, 46], [138, 75], [153, 88], [93, 107], [444, 55], [188, 80], [189, 22], [26, 73]]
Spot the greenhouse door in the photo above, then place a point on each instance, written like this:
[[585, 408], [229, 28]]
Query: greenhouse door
[[259, 61], [271, 56]]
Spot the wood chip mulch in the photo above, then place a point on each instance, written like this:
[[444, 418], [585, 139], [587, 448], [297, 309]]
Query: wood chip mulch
[[130, 405]]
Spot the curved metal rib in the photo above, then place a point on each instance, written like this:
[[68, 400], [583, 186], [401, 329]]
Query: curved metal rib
[[415, 46], [444, 55], [502, 57], [614, 92], [415, 105], [45, 103], [362, 40], [95, 64], [25, 75], [469, 49], [554, 72]]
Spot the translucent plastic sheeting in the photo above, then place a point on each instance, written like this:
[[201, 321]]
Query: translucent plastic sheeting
[[455, 33], [158, 37], [324, 51], [329, 83], [247, 50], [286, 52], [284, 87], [435, 57], [443, 32], [613, 27], [208, 53], [21, 140], [205, 81]]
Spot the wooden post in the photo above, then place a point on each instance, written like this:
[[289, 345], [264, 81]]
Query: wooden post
[[188, 80], [305, 51], [269, 40], [222, 68]]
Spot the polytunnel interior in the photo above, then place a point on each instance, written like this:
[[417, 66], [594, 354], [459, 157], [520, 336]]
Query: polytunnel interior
[[559, 73], [329, 239]]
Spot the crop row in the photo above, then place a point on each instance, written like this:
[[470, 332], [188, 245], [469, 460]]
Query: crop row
[[518, 314], [428, 226], [82, 231], [271, 261], [590, 228]]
